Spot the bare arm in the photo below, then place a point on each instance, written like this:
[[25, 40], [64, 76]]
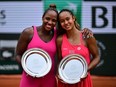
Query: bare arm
[[22, 44], [59, 54], [58, 45], [93, 48]]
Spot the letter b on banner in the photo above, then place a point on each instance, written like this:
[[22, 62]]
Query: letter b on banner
[[101, 16]]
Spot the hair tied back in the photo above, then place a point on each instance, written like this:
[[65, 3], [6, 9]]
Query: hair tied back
[[52, 6]]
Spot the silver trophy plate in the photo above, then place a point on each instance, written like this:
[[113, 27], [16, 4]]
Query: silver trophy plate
[[72, 68], [36, 62]]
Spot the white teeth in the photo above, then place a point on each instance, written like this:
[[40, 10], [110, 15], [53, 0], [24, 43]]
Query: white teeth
[[48, 26], [67, 26]]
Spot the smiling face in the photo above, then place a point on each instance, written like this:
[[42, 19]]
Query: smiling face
[[66, 20], [49, 20]]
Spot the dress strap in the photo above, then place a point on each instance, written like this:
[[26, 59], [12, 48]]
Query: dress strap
[[34, 27], [35, 30], [81, 39]]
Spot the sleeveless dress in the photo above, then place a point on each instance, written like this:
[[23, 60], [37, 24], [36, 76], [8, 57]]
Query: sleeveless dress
[[50, 47], [67, 48]]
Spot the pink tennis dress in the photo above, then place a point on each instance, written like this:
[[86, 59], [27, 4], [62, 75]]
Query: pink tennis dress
[[68, 48], [49, 79]]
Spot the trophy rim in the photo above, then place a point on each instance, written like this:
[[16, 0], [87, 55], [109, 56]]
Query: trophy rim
[[44, 55], [64, 62]]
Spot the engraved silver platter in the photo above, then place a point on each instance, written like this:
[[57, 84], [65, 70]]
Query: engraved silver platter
[[72, 69], [36, 62]]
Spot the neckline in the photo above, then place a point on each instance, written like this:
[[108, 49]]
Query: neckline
[[75, 44], [43, 40]]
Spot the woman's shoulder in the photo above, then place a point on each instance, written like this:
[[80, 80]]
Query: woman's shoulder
[[26, 33], [28, 30], [59, 40]]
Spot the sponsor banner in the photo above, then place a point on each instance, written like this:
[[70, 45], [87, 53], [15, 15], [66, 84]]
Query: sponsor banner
[[8, 64], [15, 16], [106, 44], [10, 67], [100, 17], [73, 5]]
